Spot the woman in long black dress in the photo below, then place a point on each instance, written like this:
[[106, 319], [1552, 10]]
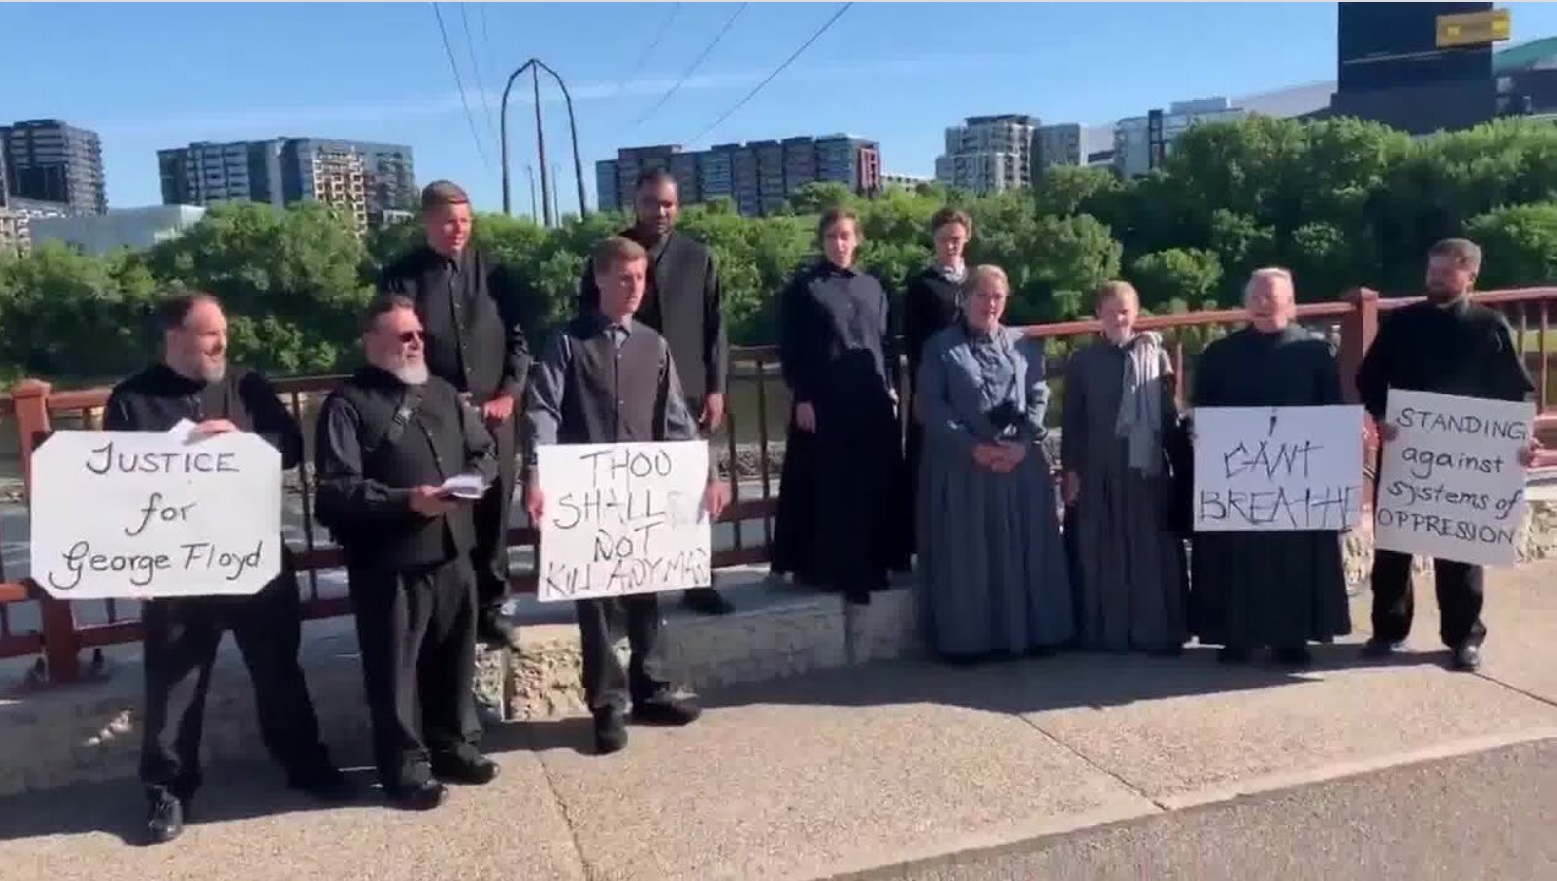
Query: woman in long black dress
[[837, 526], [932, 302]]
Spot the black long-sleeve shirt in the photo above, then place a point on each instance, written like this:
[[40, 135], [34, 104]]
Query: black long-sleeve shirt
[[931, 302], [835, 335], [470, 312], [1456, 348], [683, 302], [158, 398]]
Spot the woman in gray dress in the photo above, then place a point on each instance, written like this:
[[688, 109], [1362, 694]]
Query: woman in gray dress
[[1126, 557], [992, 575]]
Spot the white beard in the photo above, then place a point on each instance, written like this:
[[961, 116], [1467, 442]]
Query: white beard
[[411, 374]]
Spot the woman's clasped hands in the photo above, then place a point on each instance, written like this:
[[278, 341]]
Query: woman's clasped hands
[[1000, 457]]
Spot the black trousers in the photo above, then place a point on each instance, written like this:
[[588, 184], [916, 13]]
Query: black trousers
[[606, 685], [182, 636], [416, 629], [489, 557], [1459, 588]]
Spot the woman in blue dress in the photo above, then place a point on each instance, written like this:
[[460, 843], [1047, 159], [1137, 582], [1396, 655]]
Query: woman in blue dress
[[992, 569]]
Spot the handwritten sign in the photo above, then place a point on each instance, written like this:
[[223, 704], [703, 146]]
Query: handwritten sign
[[1450, 484], [1278, 469], [118, 514], [623, 519]]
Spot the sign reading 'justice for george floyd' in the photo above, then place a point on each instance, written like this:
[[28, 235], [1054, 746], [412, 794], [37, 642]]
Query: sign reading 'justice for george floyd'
[[1451, 485], [144, 515], [1278, 469], [623, 519]]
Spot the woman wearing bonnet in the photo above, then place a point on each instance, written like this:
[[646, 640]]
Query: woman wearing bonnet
[[991, 576], [1127, 558]]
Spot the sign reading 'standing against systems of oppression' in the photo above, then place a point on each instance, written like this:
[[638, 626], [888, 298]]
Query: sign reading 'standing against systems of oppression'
[[142, 515], [1278, 469], [1450, 485], [623, 519]]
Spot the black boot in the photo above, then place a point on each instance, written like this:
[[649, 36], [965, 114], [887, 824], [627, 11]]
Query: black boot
[[706, 601], [164, 816]]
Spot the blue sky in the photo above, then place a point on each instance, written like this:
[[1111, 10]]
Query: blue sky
[[147, 76]]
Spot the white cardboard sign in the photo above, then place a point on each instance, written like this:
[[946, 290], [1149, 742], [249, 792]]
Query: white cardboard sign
[[1450, 485], [129, 514], [1278, 469], [623, 519]]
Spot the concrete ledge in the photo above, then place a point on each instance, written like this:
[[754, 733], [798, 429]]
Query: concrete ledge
[[90, 732]]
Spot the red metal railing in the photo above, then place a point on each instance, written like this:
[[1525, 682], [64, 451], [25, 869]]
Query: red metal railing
[[60, 638]]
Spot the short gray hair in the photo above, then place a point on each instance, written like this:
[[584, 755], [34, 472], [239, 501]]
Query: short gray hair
[[1271, 272]]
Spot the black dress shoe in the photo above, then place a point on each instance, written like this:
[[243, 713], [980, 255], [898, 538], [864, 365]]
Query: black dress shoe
[[326, 784], [1467, 659], [164, 817], [666, 711], [610, 732], [706, 601], [495, 630], [469, 770], [422, 795], [1377, 648]]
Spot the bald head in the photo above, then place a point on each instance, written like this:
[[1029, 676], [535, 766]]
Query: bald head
[[1271, 299]]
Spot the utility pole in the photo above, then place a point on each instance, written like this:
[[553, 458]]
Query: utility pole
[[535, 211], [578, 165]]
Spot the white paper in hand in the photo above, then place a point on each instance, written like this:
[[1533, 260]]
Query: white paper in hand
[[182, 430], [464, 486]]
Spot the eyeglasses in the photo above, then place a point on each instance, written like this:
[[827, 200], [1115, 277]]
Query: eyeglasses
[[410, 336]]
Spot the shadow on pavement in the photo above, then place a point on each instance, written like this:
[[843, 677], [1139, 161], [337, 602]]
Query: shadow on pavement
[[1063, 681], [238, 791]]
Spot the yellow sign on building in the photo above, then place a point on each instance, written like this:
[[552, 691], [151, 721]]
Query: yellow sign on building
[[1474, 28]]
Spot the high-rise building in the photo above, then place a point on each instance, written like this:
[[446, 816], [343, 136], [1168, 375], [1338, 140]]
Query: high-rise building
[[759, 176], [987, 154], [1141, 143], [375, 182], [1418, 67], [133, 228], [47, 160], [1058, 144]]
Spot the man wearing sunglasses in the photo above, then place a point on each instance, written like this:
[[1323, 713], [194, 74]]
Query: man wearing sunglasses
[[469, 310], [402, 460]]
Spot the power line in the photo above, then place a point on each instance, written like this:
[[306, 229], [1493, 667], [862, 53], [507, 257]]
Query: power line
[[459, 83], [713, 44], [772, 76], [653, 44], [475, 63]]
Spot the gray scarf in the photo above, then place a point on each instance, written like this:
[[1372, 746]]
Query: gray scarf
[[956, 274], [1140, 408]]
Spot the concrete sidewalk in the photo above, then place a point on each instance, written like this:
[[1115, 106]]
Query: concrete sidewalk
[[857, 768]]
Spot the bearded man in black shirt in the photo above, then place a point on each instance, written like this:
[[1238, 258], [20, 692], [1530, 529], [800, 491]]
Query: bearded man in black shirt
[[684, 303], [194, 382], [468, 307], [1451, 345]]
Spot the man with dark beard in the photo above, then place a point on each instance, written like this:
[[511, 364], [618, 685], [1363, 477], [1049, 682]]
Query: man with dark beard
[[684, 303], [1451, 345], [389, 439], [468, 306], [192, 382]]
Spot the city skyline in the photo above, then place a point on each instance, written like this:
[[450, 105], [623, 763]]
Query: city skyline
[[854, 79]]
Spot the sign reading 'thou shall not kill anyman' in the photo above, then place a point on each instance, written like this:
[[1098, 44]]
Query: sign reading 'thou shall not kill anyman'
[[1451, 485], [147, 515]]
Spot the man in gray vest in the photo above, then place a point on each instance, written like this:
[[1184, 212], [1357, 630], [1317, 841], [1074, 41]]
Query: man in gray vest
[[388, 442], [607, 378]]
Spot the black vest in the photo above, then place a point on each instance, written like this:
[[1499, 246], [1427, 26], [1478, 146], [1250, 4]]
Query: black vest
[[429, 449], [612, 393]]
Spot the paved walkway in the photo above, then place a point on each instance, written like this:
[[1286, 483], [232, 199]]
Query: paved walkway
[[843, 772]]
